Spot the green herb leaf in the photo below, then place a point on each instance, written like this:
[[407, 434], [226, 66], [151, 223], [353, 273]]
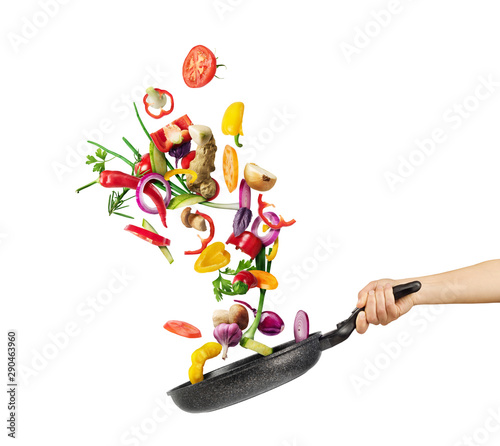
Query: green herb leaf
[[98, 167], [217, 290], [243, 265], [222, 286], [101, 154], [99, 164], [90, 160]]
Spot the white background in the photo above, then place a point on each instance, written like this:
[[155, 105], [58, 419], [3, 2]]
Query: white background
[[349, 121]]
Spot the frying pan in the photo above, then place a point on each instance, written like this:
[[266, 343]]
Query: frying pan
[[257, 374]]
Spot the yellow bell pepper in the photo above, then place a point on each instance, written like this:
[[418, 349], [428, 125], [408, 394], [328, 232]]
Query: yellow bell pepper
[[232, 121], [173, 172], [212, 258], [198, 359]]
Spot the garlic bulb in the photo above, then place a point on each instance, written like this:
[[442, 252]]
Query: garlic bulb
[[227, 335]]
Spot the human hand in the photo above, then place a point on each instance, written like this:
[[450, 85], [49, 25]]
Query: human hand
[[380, 307]]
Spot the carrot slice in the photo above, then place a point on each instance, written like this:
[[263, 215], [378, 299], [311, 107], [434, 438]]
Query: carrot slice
[[265, 280], [230, 168]]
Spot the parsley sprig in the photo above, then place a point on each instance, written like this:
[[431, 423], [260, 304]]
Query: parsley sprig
[[225, 286], [99, 160]]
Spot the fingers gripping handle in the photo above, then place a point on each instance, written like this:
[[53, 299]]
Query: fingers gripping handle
[[399, 291], [345, 328]]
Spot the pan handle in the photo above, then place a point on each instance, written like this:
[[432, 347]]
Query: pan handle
[[345, 328]]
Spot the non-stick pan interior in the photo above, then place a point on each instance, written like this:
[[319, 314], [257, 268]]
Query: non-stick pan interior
[[248, 377]]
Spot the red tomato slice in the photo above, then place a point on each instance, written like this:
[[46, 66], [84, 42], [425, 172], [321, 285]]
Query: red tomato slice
[[199, 67], [182, 329]]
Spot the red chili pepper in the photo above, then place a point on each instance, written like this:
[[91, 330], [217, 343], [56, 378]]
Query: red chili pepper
[[206, 241], [280, 224], [114, 178], [162, 112], [148, 236], [249, 243]]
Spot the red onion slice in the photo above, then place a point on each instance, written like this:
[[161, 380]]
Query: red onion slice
[[245, 194], [139, 192], [301, 326], [272, 234]]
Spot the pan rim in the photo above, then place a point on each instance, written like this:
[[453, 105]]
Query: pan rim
[[247, 362]]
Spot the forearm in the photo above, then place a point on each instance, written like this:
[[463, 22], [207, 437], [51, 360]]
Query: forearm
[[474, 284]]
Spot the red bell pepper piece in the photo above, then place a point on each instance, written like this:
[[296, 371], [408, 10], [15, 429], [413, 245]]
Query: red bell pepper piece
[[160, 137], [280, 224], [249, 243], [162, 112], [206, 241], [148, 236]]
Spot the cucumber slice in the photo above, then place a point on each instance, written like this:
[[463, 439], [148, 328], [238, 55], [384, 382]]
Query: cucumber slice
[[163, 249], [158, 160], [256, 346], [185, 200]]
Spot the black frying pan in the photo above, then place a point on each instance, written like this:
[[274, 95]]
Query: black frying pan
[[257, 374]]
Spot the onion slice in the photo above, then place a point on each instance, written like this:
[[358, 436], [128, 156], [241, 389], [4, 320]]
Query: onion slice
[[301, 326], [245, 194], [272, 234], [139, 192]]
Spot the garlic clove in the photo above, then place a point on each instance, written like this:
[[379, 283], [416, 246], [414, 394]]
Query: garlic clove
[[201, 134], [258, 178]]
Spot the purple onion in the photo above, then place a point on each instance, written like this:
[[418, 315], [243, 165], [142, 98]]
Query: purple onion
[[139, 192], [272, 234], [270, 323], [245, 194], [301, 326]]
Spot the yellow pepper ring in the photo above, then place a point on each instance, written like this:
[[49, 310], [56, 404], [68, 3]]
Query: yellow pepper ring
[[270, 257], [173, 172]]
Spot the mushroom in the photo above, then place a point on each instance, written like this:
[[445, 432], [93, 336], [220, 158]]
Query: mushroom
[[195, 221]]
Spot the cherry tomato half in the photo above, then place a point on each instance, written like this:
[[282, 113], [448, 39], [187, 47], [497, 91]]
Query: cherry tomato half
[[182, 329], [144, 165], [186, 161], [199, 67]]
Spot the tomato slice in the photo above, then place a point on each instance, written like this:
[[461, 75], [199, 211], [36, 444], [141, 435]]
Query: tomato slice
[[199, 67], [230, 168], [182, 329]]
